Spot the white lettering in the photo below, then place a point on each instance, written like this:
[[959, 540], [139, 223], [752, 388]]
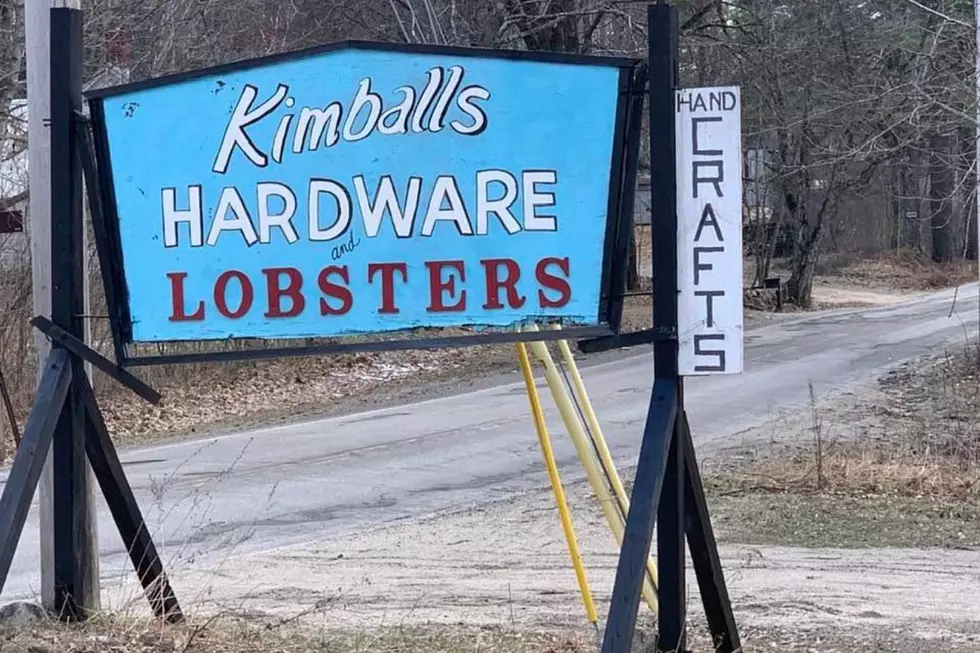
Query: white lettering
[[446, 191], [364, 97], [465, 102], [241, 222], [242, 117], [313, 122], [403, 112], [339, 194], [533, 199], [499, 207], [283, 219], [386, 200], [192, 216]]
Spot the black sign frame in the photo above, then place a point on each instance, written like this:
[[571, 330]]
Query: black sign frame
[[619, 217]]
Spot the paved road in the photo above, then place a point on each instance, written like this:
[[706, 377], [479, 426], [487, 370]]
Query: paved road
[[289, 484]]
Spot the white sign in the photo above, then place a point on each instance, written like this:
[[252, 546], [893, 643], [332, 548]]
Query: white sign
[[709, 230]]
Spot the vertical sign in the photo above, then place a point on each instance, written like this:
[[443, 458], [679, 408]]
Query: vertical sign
[[709, 230]]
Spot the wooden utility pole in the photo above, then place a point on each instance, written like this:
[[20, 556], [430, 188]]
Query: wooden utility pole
[[976, 149], [38, 45]]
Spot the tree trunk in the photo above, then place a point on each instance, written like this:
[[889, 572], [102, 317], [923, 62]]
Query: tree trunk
[[971, 220], [547, 26], [968, 191], [918, 186], [897, 208], [804, 262], [941, 189], [800, 284], [632, 265]]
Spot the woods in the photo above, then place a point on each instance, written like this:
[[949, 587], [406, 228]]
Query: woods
[[859, 116]]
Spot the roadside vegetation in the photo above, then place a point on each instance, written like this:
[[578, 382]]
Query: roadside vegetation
[[896, 467], [237, 634]]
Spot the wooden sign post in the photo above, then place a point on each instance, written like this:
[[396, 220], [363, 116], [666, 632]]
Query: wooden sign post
[[695, 174]]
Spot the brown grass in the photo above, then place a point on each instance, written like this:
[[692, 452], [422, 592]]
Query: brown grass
[[919, 438], [906, 270], [231, 634]]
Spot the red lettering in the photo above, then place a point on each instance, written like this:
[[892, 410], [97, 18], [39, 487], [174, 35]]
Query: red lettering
[[276, 293], [387, 283], [508, 283], [551, 282], [221, 294], [336, 291], [437, 286], [177, 294]]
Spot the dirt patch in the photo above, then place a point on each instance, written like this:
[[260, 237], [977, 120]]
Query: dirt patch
[[829, 553], [827, 294], [506, 563]]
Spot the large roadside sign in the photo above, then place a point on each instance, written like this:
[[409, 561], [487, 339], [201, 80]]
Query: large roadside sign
[[365, 188]]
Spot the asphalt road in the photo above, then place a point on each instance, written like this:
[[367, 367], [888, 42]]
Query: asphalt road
[[210, 498]]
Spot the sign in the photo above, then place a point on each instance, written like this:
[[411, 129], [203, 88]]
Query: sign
[[364, 188], [709, 230]]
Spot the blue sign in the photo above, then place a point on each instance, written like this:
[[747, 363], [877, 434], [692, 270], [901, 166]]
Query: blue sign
[[364, 189]]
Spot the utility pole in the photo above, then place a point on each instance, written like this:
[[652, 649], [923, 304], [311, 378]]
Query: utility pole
[[38, 44]]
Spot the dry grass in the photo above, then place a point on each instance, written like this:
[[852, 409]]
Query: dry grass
[[231, 634], [897, 466], [902, 270], [920, 438]]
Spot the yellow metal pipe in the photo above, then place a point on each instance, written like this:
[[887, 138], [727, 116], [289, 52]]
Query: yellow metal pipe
[[578, 389], [586, 455], [605, 457], [549, 461]]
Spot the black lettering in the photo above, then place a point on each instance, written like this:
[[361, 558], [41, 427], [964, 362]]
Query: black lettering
[[717, 353], [694, 137], [698, 265], [717, 180], [708, 218], [709, 298]]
